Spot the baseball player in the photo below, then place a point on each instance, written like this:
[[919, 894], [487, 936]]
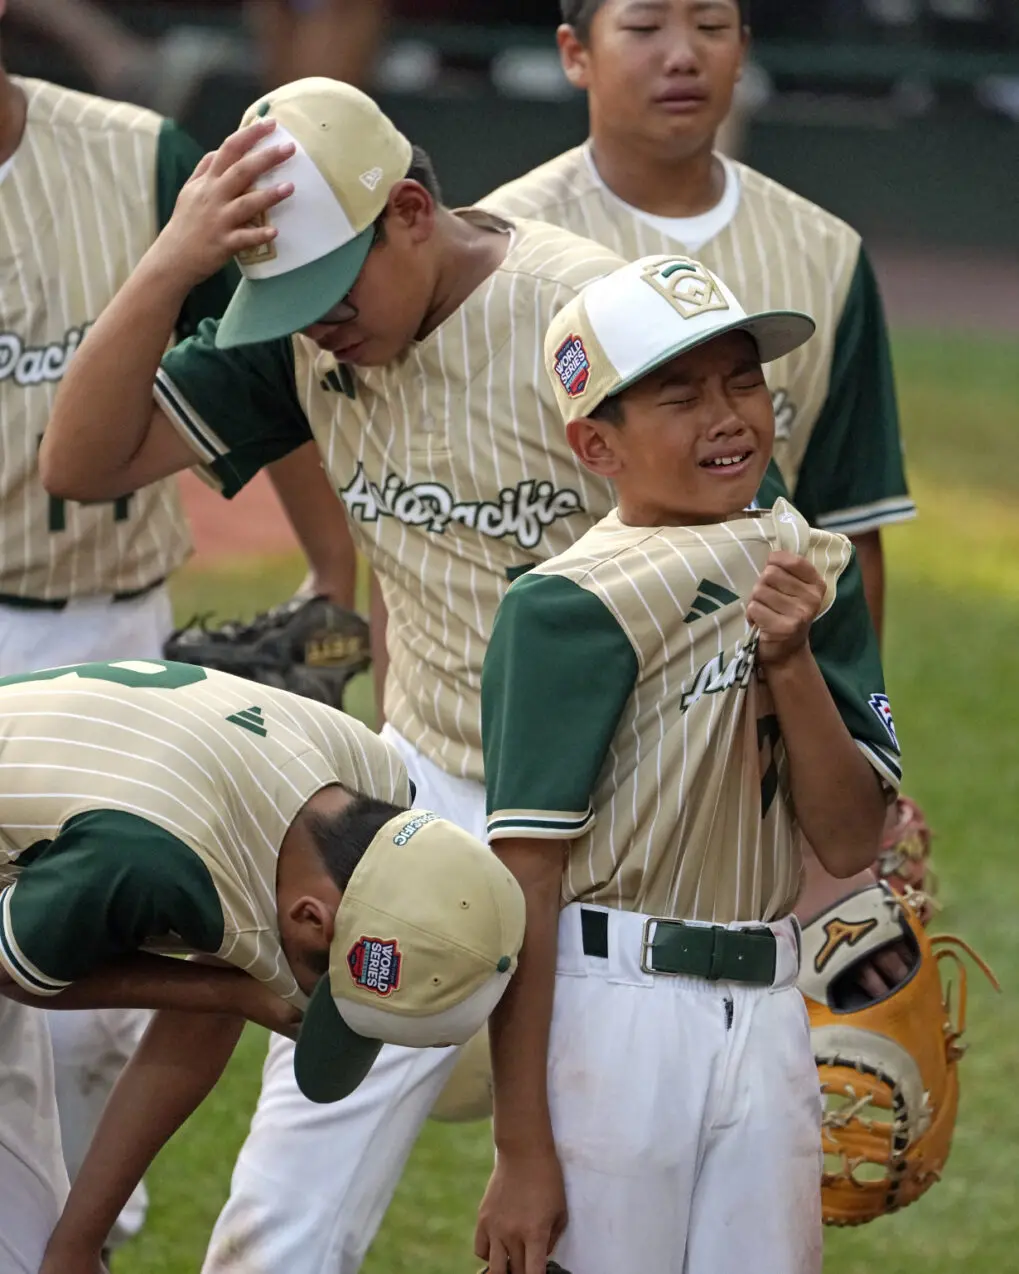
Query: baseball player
[[660, 77], [80, 582], [153, 807], [418, 373], [665, 707]]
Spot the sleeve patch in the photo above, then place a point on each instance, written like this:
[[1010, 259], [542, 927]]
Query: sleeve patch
[[883, 711]]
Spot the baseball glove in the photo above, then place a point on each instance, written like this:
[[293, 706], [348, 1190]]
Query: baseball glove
[[888, 1067], [307, 645], [904, 861]]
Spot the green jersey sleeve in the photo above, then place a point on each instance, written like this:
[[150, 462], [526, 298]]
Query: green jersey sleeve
[[106, 885], [852, 478], [556, 677], [237, 408], [177, 156], [845, 647]]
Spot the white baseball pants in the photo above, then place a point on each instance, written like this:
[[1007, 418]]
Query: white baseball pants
[[273, 1221], [81, 1054], [687, 1114], [33, 1180]]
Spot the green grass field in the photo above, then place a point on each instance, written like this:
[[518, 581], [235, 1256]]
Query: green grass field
[[953, 675]]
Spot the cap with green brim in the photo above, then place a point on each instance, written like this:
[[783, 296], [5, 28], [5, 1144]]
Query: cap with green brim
[[623, 326], [347, 159], [426, 939]]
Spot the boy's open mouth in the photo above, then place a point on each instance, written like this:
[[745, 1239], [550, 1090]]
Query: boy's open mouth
[[736, 460]]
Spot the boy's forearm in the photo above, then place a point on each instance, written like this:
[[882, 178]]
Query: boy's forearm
[[145, 981], [519, 1027], [104, 405], [319, 521], [870, 556], [378, 624], [836, 793], [178, 1062]]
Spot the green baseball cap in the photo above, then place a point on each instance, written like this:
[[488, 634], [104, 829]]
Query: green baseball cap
[[348, 158], [426, 939]]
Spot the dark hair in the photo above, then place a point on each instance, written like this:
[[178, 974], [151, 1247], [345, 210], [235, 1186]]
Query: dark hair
[[579, 14], [342, 838], [609, 409], [421, 170]]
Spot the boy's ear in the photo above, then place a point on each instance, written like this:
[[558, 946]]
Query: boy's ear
[[572, 55], [596, 445], [312, 913]]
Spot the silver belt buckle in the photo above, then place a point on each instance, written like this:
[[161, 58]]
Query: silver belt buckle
[[646, 944]]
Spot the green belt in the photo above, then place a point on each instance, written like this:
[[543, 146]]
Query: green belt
[[60, 603], [711, 952]]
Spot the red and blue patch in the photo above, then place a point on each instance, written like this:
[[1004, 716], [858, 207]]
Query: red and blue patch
[[572, 366], [883, 711], [375, 963]]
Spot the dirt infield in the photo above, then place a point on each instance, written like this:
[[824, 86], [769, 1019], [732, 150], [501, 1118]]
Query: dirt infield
[[966, 292]]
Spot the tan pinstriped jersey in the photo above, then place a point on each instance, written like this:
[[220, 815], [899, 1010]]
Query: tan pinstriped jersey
[[208, 761], [452, 463], [660, 759], [77, 212], [779, 251]]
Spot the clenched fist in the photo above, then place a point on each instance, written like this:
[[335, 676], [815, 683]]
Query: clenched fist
[[785, 602]]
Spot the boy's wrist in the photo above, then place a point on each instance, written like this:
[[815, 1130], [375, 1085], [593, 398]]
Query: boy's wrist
[[789, 666]]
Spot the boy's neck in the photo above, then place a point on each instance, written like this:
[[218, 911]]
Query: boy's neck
[[685, 186], [13, 109], [637, 514], [468, 254]]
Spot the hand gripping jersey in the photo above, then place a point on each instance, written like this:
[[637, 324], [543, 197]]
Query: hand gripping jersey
[[624, 712]]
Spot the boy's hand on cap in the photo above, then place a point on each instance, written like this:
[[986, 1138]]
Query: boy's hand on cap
[[219, 212], [786, 600]]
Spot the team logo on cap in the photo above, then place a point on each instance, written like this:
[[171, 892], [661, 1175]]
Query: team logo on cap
[[883, 711], [374, 964], [572, 366], [686, 285]]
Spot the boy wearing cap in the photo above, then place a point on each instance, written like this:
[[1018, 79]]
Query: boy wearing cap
[[150, 808], [666, 707]]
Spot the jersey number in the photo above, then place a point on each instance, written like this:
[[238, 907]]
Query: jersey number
[[148, 673], [58, 508]]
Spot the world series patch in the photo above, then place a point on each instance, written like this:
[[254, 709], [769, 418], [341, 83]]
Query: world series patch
[[374, 963], [572, 366], [883, 711]]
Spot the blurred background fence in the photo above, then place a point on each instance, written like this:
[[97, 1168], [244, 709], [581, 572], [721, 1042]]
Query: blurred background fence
[[901, 115]]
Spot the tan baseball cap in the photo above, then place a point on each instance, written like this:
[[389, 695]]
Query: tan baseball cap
[[426, 940], [640, 316], [349, 156]]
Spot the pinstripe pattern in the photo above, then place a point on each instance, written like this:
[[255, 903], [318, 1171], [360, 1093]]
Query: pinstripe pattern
[[77, 212], [678, 805], [77, 743], [779, 251], [454, 467]]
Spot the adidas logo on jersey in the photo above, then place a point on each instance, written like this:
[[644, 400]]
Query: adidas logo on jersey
[[710, 597], [720, 674], [250, 719], [29, 365], [523, 512]]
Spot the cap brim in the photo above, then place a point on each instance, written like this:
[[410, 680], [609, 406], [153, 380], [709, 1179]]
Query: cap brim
[[330, 1059], [266, 309], [776, 333]]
